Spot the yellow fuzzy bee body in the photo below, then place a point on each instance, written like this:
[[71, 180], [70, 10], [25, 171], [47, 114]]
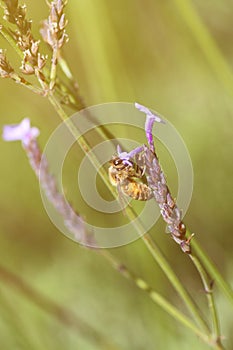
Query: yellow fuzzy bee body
[[128, 178]]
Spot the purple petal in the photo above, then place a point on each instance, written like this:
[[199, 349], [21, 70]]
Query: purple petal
[[150, 119], [127, 156], [146, 110], [15, 132], [119, 150], [136, 151], [122, 155], [34, 132], [22, 132]]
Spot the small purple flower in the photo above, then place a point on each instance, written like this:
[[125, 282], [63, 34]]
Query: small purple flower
[[150, 119], [22, 132], [123, 155], [127, 156], [146, 110], [72, 220]]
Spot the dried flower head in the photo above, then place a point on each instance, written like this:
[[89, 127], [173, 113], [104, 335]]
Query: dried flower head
[[5, 67], [53, 29], [33, 60], [16, 14]]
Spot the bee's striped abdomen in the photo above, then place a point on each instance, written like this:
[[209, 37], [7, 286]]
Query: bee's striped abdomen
[[137, 190]]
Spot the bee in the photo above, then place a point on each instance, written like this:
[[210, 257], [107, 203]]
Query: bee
[[128, 177]]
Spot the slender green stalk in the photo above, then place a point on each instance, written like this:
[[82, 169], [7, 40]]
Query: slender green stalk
[[80, 139], [67, 72], [165, 266], [212, 269], [76, 97], [209, 294], [21, 81], [207, 43], [66, 69], [53, 70], [154, 296], [8, 37]]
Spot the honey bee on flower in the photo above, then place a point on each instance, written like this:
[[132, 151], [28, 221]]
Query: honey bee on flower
[[128, 176]]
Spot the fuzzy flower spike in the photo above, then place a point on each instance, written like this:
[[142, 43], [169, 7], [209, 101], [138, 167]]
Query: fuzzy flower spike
[[28, 136], [156, 180]]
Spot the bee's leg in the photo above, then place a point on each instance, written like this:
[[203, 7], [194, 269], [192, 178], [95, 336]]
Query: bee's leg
[[122, 199], [140, 161], [150, 195], [143, 170]]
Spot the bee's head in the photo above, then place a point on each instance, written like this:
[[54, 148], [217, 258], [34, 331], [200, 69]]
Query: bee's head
[[117, 163]]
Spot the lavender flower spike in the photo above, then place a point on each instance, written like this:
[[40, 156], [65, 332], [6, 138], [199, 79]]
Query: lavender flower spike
[[150, 119], [72, 220], [22, 132]]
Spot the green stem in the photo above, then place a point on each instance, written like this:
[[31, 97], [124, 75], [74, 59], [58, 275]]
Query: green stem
[[21, 81], [66, 70], [154, 296], [67, 95], [8, 37], [209, 294], [165, 266], [53, 71], [80, 139], [101, 130], [212, 269]]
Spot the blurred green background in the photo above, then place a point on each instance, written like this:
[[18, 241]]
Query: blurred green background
[[155, 53]]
